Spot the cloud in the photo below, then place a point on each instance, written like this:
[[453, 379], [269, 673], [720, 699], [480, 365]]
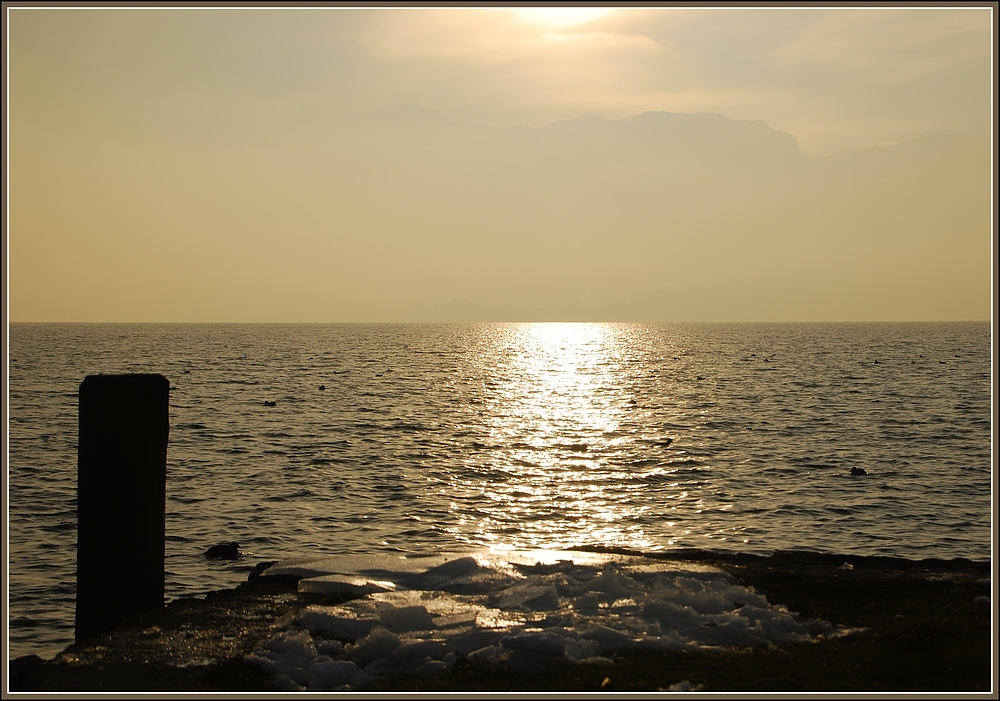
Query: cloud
[[801, 67], [889, 47], [134, 72], [217, 144]]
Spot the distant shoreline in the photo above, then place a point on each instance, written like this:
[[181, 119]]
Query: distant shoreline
[[477, 323]]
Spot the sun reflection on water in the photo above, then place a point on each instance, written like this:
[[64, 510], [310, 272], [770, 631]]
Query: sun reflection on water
[[554, 417]]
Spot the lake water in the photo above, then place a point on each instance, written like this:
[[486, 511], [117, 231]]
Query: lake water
[[459, 438]]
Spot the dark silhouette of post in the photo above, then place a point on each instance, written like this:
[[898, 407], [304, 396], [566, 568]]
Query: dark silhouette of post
[[121, 494]]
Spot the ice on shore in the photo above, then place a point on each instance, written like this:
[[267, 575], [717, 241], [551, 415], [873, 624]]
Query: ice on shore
[[525, 611]]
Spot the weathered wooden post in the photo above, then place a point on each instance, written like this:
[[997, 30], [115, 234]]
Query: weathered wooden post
[[121, 495]]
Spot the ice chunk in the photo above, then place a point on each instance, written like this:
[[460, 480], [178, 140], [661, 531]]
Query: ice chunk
[[475, 639], [609, 639], [392, 568], [461, 576], [545, 645], [444, 610], [348, 621], [331, 675], [407, 618], [614, 584], [533, 652], [775, 624], [673, 615], [331, 584], [497, 619], [298, 566], [581, 649], [527, 613], [411, 657], [491, 657], [532, 595], [586, 601], [289, 656], [330, 648], [690, 592], [451, 569], [378, 643]]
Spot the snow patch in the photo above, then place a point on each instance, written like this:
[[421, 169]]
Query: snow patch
[[527, 612]]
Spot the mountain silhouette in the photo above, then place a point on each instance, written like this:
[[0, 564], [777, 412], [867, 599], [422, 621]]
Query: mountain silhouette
[[658, 216]]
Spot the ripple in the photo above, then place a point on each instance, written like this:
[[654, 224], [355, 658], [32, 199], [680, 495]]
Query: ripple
[[530, 435]]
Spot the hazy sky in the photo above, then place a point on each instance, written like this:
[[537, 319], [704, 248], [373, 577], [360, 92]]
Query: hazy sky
[[188, 164]]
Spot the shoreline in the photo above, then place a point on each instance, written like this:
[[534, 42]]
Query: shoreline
[[926, 625]]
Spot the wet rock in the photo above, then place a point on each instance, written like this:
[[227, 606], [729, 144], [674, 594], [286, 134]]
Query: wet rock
[[18, 668]]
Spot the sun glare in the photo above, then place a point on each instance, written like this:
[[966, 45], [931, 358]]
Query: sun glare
[[562, 17], [557, 405]]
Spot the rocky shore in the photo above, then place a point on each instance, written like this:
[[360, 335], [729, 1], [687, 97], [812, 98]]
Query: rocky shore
[[928, 626]]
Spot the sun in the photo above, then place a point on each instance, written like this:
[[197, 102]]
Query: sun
[[562, 17]]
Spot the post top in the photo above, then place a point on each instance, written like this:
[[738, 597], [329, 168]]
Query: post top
[[148, 380]]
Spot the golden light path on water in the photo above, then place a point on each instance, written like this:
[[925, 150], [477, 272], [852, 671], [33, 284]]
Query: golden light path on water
[[555, 414]]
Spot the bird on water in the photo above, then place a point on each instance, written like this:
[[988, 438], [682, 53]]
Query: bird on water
[[229, 550]]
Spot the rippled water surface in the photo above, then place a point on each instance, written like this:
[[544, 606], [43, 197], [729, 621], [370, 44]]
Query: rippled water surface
[[443, 438]]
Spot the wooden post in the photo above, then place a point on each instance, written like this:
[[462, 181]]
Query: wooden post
[[121, 498]]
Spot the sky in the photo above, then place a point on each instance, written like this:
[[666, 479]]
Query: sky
[[230, 165]]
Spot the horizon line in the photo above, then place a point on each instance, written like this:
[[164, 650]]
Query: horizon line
[[516, 321]]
